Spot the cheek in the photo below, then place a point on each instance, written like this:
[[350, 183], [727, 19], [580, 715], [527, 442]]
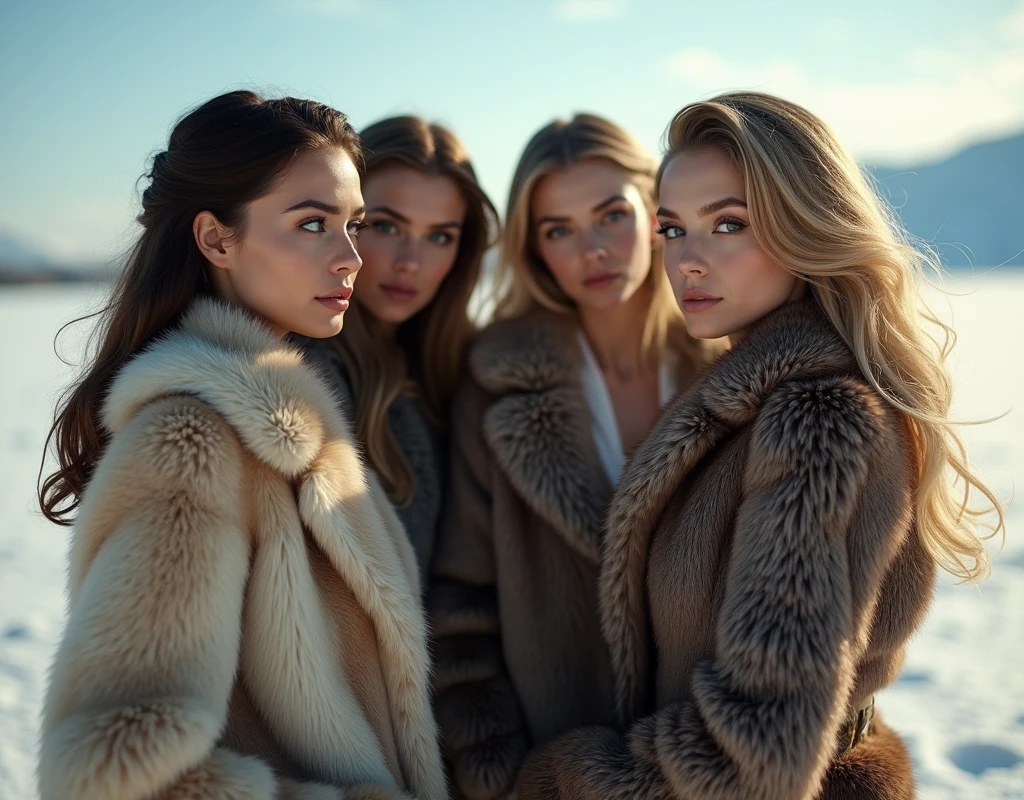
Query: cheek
[[377, 253], [558, 258], [439, 264]]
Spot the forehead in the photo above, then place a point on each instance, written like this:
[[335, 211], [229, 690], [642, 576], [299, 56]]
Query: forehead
[[696, 177], [325, 175], [581, 186], [414, 194]]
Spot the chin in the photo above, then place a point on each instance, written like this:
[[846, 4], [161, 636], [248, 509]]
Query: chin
[[325, 331]]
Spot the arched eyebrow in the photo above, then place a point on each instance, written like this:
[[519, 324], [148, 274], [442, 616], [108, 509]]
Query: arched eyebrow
[[615, 198], [705, 210], [318, 205], [388, 211]]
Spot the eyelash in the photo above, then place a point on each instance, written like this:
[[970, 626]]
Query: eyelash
[[354, 228], [663, 229], [619, 214]]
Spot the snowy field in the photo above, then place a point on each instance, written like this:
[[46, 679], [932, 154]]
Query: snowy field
[[959, 700]]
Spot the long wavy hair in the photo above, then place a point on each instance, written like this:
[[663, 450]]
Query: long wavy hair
[[426, 358], [814, 213], [221, 156], [525, 281]]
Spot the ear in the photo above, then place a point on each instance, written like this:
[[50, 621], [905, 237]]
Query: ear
[[212, 238], [656, 240]]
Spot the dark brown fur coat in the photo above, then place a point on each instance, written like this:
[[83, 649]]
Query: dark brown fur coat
[[760, 578], [513, 605]]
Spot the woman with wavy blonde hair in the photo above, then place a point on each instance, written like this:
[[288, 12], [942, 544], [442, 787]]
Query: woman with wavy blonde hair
[[428, 226], [775, 541], [587, 347]]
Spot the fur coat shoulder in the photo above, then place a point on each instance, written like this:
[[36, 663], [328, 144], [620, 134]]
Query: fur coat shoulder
[[761, 576], [244, 616], [513, 599], [421, 443]]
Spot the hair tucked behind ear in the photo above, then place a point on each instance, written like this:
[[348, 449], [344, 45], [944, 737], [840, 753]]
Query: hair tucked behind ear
[[221, 156], [434, 342], [815, 214]]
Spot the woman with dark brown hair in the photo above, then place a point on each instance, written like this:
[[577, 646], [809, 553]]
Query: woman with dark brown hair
[[396, 367], [244, 615]]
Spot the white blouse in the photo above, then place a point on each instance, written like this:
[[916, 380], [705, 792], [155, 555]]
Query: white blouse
[[604, 427]]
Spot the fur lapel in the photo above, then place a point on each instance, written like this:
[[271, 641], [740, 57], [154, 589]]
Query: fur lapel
[[289, 420], [794, 342], [539, 426]]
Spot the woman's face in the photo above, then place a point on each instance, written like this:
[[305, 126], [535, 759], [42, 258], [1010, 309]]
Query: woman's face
[[722, 279], [592, 229], [414, 226], [295, 262]]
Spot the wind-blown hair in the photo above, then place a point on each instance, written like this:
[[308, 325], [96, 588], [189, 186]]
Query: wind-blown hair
[[815, 214]]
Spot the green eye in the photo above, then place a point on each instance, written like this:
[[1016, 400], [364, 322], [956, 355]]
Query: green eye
[[314, 225], [385, 227]]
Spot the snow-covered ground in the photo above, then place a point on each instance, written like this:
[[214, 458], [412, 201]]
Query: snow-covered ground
[[959, 701]]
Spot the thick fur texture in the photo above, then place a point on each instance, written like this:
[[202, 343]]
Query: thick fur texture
[[229, 546], [760, 577], [519, 653]]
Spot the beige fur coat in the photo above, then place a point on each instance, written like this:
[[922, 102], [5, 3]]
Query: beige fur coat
[[244, 617], [760, 578]]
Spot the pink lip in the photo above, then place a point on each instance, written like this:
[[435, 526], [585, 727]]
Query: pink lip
[[600, 280], [694, 300], [398, 292], [337, 300]]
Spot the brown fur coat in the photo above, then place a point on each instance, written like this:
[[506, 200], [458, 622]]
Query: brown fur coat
[[519, 654], [760, 578], [244, 616]]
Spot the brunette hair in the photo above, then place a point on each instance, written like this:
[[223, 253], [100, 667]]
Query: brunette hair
[[221, 156]]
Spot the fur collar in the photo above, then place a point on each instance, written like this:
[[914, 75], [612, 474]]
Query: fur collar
[[539, 426], [287, 417], [228, 359], [794, 342]]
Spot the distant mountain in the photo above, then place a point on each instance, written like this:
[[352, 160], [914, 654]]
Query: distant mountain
[[16, 254], [20, 262], [970, 206]]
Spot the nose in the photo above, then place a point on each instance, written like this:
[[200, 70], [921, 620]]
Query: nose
[[407, 259], [690, 261], [594, 251], [347, 258]]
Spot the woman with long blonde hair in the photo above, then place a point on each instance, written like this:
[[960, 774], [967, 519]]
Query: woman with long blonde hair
[[396, 368], [587, 347], [774, 543]]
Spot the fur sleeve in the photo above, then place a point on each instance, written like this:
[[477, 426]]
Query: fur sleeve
[[765, 709], [139, 689], [479, 714]]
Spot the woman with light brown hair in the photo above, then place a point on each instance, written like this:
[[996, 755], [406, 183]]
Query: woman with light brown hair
[[396, 368], [774, 542], [587, 347]]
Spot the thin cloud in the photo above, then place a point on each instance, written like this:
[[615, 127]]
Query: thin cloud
[[935, 101], [589, 10]]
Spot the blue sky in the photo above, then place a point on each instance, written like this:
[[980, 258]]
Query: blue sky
[[88, 91]]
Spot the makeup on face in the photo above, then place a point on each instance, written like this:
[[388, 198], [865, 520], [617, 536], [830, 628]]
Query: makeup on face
[[590, 226], [411, 243], [721, 276]]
